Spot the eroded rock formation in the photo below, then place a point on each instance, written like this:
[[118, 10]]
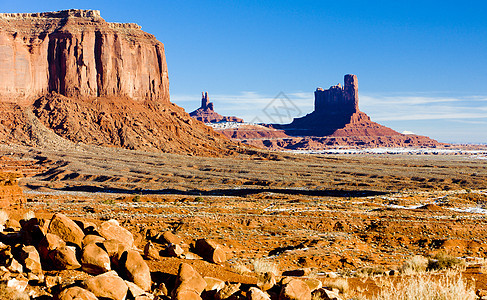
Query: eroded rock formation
[[337, 114], [336, 121], [78, 54], [207, 114], [70, 76]]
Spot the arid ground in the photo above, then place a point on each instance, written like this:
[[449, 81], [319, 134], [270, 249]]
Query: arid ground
[[347, 214]]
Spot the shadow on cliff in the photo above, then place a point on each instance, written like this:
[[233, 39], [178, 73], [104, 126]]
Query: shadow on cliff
[[224, 192]]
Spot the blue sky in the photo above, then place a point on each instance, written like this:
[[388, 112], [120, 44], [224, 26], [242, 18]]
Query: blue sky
[[421, 65]]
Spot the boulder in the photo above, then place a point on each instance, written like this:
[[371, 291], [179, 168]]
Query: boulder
[[295, 289], [31, 259], [136, 269], [94, 259], [64, 258], [108, 285], [266, 281], [48, 244], [324, 294], [66, 229], [313, 283], [134, 290], [76, 293], [32, 231], [3, 217], [114, 248], [161, 290], [214, 284], [14, 266], [91, 238], [19, 284], [151, 251], [227, 291], [187, 295], [111, 230], [167, 237], [174, 250], [52, 281], [256, 294], [12, 224], [210, 251], [189, 283]]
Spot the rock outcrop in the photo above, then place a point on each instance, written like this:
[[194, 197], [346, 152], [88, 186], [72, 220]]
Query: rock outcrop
[[207, 114], [78, 54], [335, 121], [70, 76], [337, 114]]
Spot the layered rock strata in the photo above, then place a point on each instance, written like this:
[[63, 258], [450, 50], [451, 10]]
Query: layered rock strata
[[78, 54], [70, 76]]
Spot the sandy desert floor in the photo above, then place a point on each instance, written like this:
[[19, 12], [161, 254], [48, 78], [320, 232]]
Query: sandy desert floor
[[346, 214]]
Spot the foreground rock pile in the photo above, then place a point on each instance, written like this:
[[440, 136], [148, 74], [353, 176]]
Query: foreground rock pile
[[65, 259]]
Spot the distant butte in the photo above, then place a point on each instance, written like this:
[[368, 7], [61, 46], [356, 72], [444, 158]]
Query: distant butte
[[337, 114], [207, 114], [335, 122]]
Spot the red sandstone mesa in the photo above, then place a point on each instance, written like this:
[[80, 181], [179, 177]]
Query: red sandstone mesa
[[71, 74], [335, 121], [78, 54]]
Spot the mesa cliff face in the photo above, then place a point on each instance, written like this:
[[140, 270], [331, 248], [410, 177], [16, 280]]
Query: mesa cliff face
[[70, 77], [78, 54]]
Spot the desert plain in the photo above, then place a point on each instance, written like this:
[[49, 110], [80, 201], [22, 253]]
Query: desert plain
[[328, 217]]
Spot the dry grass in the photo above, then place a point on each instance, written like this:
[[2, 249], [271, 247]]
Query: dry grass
[[11, 293], [241, 269], [449, 286], [262, 266], [28, 215], [414, 265], [370, 271], [336, 283], [443, 261]]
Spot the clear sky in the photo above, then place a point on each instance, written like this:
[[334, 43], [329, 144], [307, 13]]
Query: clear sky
[[421, 65]]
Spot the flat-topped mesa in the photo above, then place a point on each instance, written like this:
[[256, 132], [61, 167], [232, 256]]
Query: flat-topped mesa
[[338, 99], [62, 14], [76, 53]]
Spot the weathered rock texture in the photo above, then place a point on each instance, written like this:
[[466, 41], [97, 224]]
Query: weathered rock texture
[[72, 76], [78, 54], [207, 114], [336, 121]]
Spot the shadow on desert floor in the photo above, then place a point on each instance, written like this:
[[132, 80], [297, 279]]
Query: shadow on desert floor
[[226, 192]]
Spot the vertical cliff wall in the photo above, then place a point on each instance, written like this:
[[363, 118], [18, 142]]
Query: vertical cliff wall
[[78, 54], [337, 114], [70, 76], [338, 99]]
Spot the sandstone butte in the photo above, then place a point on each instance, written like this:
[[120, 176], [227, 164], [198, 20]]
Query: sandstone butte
[[207, 114], [335, 121], [74, 75]]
